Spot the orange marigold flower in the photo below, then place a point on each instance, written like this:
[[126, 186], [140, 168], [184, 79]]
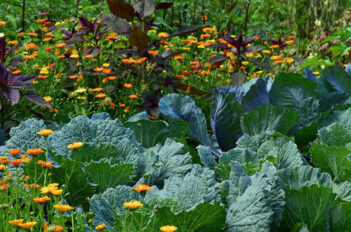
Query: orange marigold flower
[[128, 61], [288, 42], [15, 151], [2, 167], [142, 188], [16, 163], [75, 145], [100, 227], [16, 222], [163, 34], [58, 228], [292, 36], [274, 58], [45, 132], [179, 57], [41, 199], [28, 57], [63, 208], [266, 51], [4, 186], [111, 78], [168, 228], [35, 151], [56, 192], [41, 20], [44, 164], [47, 39], [13, 42], [25, 159], [30, 46], [274, 46], [61, 45], [163, 42], [33, 34], [127, 85], [153, 53], [88, 56], [140, 61], [2, 23], [133, 204], [27, 225], [133, 96], [96, 90], [100, 95]]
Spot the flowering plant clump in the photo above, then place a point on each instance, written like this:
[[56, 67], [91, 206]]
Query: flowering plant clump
[[156, 116]]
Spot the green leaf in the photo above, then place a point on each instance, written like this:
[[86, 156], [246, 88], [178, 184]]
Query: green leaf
[[343, 190], [182, 189], [108, 204], [106, 175], [183, 107], [162, 162], [206, 157], [150, 133], [238, 182], [260, 206], [289, 89], [335, 135], [308, 109], [71, 174], [25, 136], [204, 217], [283, 150], [337, 116], [334, 79], [299, 176], [96, 131], [310, 205], [340, 217], [332, 159], [268, 118]]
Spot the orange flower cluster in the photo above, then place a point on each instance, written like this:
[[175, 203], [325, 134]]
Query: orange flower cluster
[[134, 61]]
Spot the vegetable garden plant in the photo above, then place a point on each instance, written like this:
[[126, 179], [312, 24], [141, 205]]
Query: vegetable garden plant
[[131, 128]]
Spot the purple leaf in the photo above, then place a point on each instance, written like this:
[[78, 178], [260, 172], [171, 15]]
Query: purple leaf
[[11, 95], [37, 99], [2, 49]]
